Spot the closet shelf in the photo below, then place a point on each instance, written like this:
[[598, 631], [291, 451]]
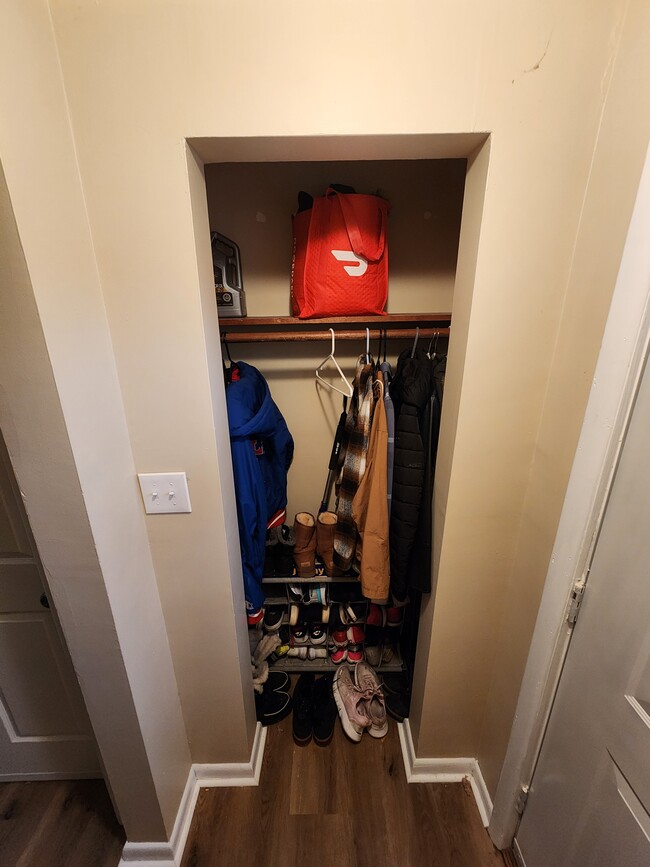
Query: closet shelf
[[284, 329], [282, 602], [292, 664]]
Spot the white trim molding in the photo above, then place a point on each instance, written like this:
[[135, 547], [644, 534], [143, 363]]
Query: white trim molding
[[170, 854], [519, 858], [452, 770], [151, 854]]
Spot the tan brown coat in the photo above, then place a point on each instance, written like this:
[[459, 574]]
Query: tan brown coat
[[370, 507]]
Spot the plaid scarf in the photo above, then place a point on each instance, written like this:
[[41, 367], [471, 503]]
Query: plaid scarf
[[357, 435]]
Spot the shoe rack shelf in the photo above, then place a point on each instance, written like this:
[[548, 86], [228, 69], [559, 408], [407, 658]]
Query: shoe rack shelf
[[275, 600], [293, 665]]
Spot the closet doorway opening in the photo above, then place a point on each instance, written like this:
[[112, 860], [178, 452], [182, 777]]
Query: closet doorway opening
[[435, 185]]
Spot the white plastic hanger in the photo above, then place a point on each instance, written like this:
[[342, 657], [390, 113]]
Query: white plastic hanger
[[348, 391], [367, 346], [433, 343], [415, 342]]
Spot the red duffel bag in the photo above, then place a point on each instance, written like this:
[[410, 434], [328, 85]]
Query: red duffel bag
[[340, 256]]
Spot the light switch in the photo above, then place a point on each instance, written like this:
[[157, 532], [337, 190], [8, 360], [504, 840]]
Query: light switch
[[164, 493]]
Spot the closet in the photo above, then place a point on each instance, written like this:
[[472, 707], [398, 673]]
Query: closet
[[252, 203]]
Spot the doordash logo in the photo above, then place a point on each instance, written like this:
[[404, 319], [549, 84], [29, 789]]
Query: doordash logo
[[357, 270]]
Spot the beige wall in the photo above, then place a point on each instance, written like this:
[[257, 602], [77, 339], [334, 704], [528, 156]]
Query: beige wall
[[140, 78], [252, 203], [623, 135], [62, 417]]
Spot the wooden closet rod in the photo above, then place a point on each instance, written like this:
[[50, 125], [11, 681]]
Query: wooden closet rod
[[286, 329], [306, 336]]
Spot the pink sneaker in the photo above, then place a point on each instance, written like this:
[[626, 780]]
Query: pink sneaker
[[339, 655], [369, 686], [351, 705]]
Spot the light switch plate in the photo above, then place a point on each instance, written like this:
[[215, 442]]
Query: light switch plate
[[163, 493]]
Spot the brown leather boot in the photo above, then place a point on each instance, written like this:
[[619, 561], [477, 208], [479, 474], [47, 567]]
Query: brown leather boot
[[304, 552], [325, 529]]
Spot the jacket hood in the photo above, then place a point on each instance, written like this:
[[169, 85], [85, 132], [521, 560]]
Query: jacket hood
[[251, 410], [413, 381]]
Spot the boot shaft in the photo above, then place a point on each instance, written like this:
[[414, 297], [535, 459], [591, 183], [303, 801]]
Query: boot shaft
[[325, 531], [304, 552]]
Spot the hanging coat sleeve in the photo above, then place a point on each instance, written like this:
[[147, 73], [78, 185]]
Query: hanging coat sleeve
[[334, 458]]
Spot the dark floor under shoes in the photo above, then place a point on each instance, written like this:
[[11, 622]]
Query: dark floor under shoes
[[314, 709]]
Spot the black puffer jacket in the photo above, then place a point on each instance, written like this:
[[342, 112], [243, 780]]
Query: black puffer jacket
[[419, 575], [411, 391]]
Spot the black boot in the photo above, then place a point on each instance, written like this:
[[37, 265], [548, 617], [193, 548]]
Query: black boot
[[274, 703], [325, 712], [284, 564], [269, 553], [303, 708]]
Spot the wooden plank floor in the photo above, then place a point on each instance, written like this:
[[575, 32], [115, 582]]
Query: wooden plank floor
[[58, 824], [345, 805]]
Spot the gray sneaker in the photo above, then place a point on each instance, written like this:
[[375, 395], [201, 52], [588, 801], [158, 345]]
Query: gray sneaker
[[369, 686], [351, 704]]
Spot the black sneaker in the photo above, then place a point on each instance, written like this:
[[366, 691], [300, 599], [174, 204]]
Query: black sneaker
[[334, 620], [397, 705], [394, 682], [279, 681], [269, 552], [303, 708], [283, 552], [272, 705], [317, 635], [325, 711], [299, 635], [273, 619]]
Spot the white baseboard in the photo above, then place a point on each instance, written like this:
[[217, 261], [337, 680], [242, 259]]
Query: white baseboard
[[151, 854], [453, 770], [200, 776]]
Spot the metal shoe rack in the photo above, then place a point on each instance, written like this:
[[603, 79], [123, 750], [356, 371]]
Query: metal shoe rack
[[293, 664]]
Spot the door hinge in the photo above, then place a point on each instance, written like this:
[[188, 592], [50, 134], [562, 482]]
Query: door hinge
[[522, 797], [577, 595]]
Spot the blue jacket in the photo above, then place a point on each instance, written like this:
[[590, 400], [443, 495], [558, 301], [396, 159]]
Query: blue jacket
[[262, 450]]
